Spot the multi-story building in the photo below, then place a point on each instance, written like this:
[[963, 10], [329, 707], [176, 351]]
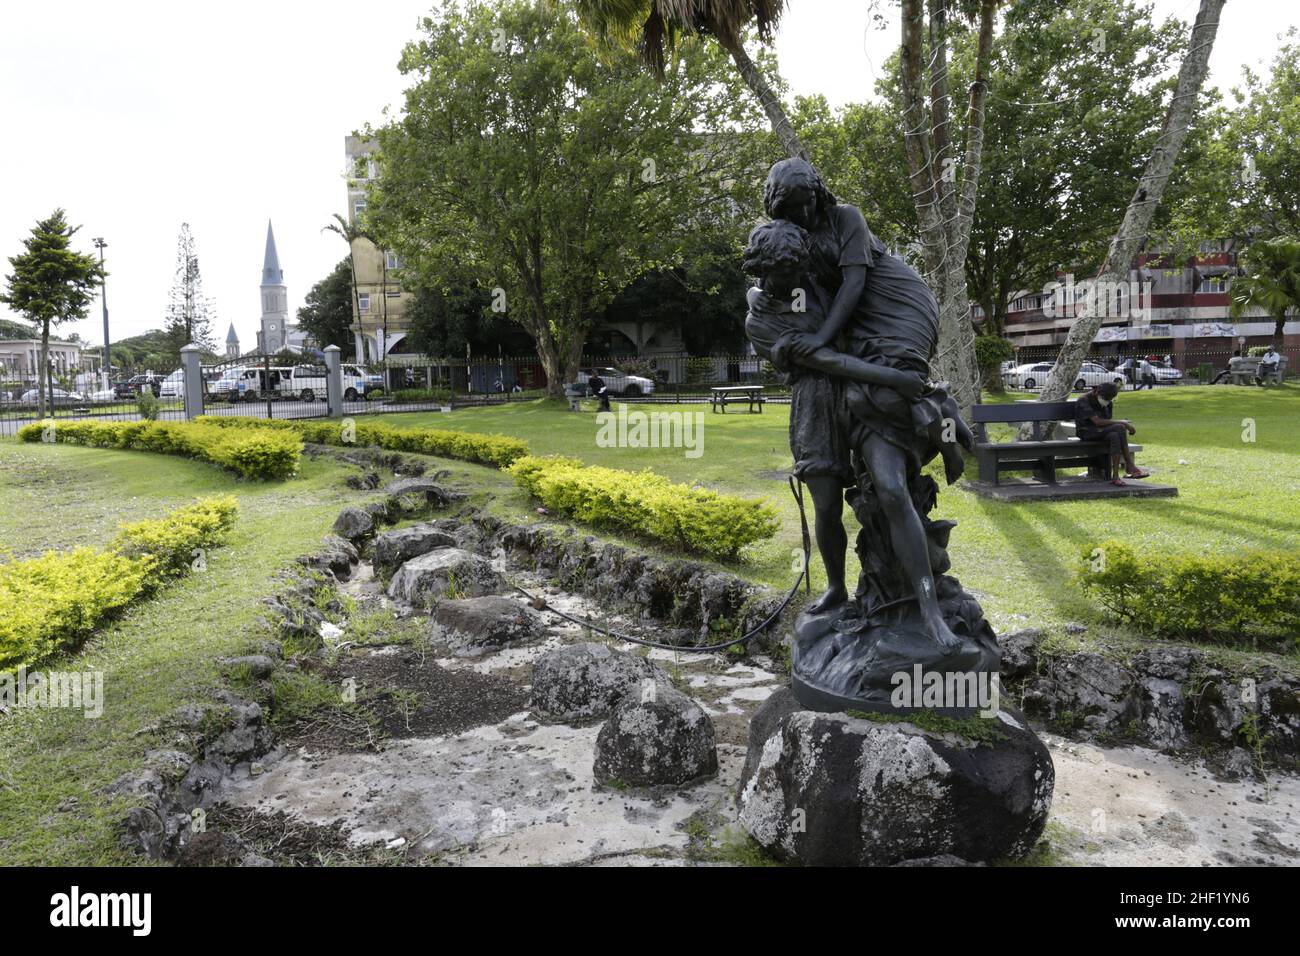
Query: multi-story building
[[379, 307], [20, 359], [1167, 307]]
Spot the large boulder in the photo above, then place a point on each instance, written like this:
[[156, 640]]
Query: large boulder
[[410, 494], [826, 789], [655, 736], [354, 523], [477, 625], [582, 682], [392, 549], [444, 573]]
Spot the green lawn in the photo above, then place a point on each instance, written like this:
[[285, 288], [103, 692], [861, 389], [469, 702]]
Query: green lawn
[[1233, 493], [54, 764]]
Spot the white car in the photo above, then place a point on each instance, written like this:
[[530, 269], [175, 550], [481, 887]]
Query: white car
[[57, 396], [1165, 375], [173, 386], [1033, 375], [104, 395], [618, 383], [1091, 375]]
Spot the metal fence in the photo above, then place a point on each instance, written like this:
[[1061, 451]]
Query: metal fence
[[257, 386], [151, 395]]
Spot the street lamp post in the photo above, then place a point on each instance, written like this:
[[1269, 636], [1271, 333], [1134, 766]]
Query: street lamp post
[[103, 298]]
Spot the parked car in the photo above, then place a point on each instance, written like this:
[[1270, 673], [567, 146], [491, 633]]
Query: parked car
[[1092, 374], [138, 383], [57, 396], [1029, 376], [173, 386], [104, 395], [619, 383], [358, 383], [1165, 375]]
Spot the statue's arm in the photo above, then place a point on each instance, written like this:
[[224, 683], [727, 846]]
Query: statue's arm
[[846, 300], [851, 367]]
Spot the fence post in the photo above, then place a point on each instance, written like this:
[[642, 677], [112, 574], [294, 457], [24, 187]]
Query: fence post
[[191, 357], [334, 381]]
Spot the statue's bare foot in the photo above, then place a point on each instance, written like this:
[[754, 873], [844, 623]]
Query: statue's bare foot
[[833, 597], [949, 642]]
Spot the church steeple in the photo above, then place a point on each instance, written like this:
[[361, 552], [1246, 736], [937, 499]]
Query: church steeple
[[272, 274]]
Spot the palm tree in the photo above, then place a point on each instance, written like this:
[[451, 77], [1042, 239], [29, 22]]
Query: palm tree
[[350, 232], [653, 27], [1270, 281]]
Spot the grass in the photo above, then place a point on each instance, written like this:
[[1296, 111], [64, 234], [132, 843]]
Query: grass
[[1019, 558], [54, 764], [156, 657]]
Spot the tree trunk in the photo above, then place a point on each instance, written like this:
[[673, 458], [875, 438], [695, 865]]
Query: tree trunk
[[356, 297], [945, 212], [44, 386], [1126, 243], [771, 105]]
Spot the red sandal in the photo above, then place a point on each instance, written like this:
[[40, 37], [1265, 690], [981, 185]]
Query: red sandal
[[1138, 474]]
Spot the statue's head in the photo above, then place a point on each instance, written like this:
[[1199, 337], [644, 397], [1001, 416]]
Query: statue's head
[[778, 253], [796, 192]]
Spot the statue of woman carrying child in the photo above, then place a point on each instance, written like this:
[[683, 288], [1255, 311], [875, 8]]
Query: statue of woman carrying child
[[854, 328]]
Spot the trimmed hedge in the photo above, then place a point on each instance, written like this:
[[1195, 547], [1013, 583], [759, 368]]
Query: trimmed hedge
[[53, 601], [259, 453], [1239, 597], [644, 503], [499, 451]]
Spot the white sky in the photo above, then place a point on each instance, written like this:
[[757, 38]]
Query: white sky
[[139, 115]]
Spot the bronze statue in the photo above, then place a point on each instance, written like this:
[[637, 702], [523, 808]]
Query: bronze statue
[[854, 328]]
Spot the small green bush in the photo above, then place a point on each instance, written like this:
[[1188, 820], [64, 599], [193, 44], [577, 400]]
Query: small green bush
[[407, 396], [148, 405], [53, 601], [695, 519], [499, 451], [1237, 597], [261, 453]]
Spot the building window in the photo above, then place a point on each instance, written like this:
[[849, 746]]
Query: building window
[[358, 207], [363, 301], [1213, 284], [393, 292], [393, 261]]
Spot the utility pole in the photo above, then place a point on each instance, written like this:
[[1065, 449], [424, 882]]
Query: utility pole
[[103, 298]]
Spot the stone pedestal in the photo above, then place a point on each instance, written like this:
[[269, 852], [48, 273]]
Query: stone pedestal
[[823, 789]]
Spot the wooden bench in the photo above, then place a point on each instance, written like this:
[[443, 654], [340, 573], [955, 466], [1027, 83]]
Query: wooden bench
[[724, 395], [1043, 456]]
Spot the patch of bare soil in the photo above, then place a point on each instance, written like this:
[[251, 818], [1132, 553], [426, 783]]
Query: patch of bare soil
[[285, 840], [401, 692]]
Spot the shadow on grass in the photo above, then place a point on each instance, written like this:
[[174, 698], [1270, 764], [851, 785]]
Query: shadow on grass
[[1040, 561]]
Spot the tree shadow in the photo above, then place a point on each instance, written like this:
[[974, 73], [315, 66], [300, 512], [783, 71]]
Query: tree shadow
[[1040, 561]]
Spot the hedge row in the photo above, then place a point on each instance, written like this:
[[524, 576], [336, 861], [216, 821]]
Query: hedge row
[[498, 451], [260, 453], [644, 503], [53, 601], [1240, 597]]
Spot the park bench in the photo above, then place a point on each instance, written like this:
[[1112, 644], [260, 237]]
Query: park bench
[[1042, 455], [723, 395]]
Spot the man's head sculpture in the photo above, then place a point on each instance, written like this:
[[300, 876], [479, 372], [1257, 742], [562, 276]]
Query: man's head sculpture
[[795, 191]]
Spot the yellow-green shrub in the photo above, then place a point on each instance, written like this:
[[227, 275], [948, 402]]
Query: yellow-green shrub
[[53, 601], [258, 453], [695, 519], [1240, 596], [170, 542], [495, 450]]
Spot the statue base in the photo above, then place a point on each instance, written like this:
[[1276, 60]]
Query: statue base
[[844, 660]]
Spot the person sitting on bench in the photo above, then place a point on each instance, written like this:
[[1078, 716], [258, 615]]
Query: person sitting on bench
[[1268, 364], [600, 390], [1093, 422]]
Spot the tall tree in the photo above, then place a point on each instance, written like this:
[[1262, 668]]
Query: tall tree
[[1270, 281], [326, 315], [557, 176], [51, 284], [654, 28], [1132, 234], [944, 192], [350, 232], [189, 311]]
